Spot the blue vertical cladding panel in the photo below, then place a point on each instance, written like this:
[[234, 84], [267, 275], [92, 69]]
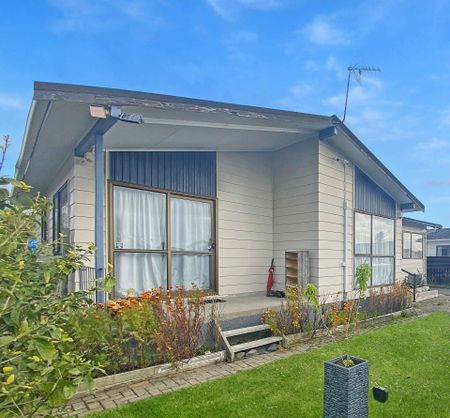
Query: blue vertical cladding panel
[[185, 172], [370, 197]]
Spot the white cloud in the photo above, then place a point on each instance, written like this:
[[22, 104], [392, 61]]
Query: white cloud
[[311, 65], [227, 8], [444, 117], [295, 98], [10, 102], [434, 144], [98, 15], [321, 31], [240, 45]]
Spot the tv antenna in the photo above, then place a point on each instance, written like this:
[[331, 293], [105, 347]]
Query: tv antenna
[[357, 73]]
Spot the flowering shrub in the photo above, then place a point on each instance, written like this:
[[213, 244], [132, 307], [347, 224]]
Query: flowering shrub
[[298, 312], [119, 337], [39, 369], [139, 331]]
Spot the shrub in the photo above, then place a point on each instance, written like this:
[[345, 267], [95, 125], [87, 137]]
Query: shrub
[[39, 369], [179, 316], [119, 337], [386, 299], [139, 331], [299, 312]]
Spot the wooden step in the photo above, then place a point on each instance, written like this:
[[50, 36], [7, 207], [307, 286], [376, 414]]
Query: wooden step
[[246, 330], [256, 343]]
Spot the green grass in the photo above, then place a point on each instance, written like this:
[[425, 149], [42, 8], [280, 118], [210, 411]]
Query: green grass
[[410, 358]]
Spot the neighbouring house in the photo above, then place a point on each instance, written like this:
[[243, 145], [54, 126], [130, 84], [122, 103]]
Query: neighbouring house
[[175, 190], [439, 242]]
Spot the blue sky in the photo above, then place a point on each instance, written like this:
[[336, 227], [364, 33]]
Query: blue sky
[[277, 53]]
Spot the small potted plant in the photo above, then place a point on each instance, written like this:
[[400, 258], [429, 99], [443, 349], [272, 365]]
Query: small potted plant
[[346, 383]]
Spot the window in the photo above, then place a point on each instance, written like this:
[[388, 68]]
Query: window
[[374, 245], [43, 227], [161, 239], [60, 223], [443, 250], [412, 245]]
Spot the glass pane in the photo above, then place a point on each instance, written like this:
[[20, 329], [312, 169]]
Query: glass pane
[[443, 250], [416, 246], [382, 236], [361, 260], [139, 272], [362, 233], [191, 225], [64, 208], [406, 245], [139, 219], [188, 269], [382, 270]]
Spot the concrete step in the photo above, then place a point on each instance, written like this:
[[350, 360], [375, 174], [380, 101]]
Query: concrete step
[[246, 330], [255, 343], [427, 295]]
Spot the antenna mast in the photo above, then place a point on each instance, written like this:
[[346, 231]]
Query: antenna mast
[[357, 72]]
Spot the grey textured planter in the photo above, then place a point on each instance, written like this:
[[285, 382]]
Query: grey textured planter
[[346, 389]]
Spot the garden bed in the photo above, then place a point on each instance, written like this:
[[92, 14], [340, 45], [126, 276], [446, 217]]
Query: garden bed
[[213, 358], [299, 337], [153, 371]]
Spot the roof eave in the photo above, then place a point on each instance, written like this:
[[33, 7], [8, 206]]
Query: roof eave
[[387, 172]]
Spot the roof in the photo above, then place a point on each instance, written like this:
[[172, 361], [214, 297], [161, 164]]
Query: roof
[[443, 233], [59, 119], [420, 224]]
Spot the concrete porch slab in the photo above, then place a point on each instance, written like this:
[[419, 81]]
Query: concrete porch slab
[[243, 305]]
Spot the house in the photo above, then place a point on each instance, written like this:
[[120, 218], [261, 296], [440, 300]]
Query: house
[[414, 244], [439, 242], [175, 190]]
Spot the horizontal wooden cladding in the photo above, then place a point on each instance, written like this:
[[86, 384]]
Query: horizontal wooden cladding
[[185, 172], [242, 190], [253, 203], [226, 288], [245, 220]]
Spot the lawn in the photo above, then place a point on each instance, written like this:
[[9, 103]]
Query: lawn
[[410, 358]]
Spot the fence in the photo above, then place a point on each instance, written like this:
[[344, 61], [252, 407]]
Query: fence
[[438, 270]]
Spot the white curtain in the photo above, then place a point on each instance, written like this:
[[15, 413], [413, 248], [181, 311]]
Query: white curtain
[[191, 231], [139, 224], [382, 270], [139, 219], [383, 236], [188, 269], [362, 233], [139, 271], [190, 225]]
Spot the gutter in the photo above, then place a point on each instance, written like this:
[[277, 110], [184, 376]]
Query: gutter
[[25, 136]]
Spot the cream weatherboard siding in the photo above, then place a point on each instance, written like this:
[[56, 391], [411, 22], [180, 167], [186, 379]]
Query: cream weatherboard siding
[[295, 203], [82, 205], [245, 220], [331, 220], [412, 265], [431, 246]]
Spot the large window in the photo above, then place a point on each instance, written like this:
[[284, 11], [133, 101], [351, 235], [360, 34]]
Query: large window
[[161, 240], [412, 245], [374, 245], [60, 224]]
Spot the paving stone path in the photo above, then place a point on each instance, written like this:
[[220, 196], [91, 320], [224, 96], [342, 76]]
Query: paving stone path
[[143, 389]]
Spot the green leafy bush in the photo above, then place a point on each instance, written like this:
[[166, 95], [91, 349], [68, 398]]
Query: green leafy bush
[[120, 337], [39, 370]]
